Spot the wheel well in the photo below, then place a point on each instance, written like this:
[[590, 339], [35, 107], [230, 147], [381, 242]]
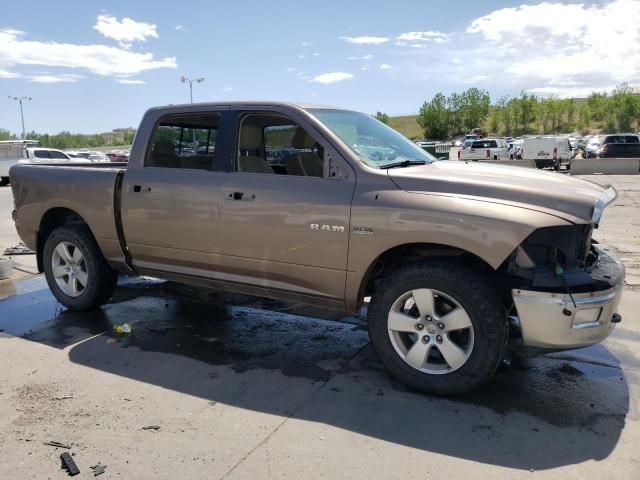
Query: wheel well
[[52, 219], [401, 255]]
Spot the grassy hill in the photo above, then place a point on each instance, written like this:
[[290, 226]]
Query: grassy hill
[[406, 125]]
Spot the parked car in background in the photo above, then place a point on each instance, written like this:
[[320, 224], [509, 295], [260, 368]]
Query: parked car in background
[[547, 151], [592, 146], [485, 149], [625, 145], [11, 152], [515, 149], [50, 155]]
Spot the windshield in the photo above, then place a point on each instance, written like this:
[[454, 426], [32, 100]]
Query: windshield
[[375, 143]]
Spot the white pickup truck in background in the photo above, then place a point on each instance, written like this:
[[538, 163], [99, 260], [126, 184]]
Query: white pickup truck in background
[[12, 152], [485, 149]]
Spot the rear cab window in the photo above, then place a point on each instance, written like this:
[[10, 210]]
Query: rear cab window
[[184, 142], [484, 144]]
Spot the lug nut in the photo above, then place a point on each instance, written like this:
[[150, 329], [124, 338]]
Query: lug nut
[[441, 326], [426, 339], [439, 339], [429, 318], [419, 326]]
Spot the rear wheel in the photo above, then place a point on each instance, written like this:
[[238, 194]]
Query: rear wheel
[[4, 181], [75, 269], [438, 327]]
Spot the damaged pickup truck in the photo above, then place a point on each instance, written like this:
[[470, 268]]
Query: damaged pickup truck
[[326, 206]]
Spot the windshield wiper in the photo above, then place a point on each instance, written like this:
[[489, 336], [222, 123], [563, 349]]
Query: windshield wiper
[[404, 163]]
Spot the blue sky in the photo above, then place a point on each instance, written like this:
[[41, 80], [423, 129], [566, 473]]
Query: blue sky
[[92, 67]]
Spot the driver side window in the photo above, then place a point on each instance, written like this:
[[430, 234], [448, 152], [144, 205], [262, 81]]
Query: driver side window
[[274, 144]]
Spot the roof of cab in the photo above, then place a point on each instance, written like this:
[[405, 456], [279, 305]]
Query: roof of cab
[[245, 103]]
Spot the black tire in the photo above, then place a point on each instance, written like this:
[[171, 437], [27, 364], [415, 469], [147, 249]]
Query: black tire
[[4, 181], [102, 279], [471, 291]]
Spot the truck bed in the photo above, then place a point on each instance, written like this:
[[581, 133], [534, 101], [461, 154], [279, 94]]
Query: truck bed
[[88, 189]]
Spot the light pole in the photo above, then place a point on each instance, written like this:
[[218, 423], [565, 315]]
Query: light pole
[[20, 100], [184, 79]]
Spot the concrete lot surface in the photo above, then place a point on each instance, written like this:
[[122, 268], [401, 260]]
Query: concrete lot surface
[[237, 387]]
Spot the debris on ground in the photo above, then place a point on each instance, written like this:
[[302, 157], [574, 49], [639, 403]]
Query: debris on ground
[[63, 397], [98, 469], [152, 427], [53, 443], [68, 464], [123, 329], [19, 249]]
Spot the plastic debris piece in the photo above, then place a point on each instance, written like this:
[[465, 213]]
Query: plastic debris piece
[[152, 427], [53, 443], [98, 469], [69, 465], [123, 329]]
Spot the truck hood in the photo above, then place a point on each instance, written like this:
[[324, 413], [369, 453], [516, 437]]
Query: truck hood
[[567, 197]]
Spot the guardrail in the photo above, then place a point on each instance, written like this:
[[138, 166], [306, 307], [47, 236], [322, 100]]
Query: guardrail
[[605, 166]]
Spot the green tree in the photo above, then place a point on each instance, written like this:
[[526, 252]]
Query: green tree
[[434, 117], [475, 107], [624, 103], [383, 117], [5, 134]]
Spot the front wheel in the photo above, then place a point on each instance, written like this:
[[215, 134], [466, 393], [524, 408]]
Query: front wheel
[[438, 327], [4, 181], [75, 269]]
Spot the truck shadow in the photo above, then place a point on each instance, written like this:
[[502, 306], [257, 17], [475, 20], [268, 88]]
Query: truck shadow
[[259, 355]]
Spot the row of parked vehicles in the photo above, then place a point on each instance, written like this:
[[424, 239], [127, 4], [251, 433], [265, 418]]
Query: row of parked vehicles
[[548, 151], [14, 152]]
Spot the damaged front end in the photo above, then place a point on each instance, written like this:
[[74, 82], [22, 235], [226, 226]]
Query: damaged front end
[[565, 288]]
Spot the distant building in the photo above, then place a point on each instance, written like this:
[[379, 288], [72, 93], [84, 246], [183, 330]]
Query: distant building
[[117, 135]]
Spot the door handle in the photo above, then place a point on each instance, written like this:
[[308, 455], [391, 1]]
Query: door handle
[[140, 188], [240, 196]]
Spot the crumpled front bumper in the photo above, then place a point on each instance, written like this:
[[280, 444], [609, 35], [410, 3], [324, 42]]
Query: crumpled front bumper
[[551, 321]]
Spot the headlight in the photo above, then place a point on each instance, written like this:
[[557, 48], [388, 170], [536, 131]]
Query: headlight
[[567, 246]]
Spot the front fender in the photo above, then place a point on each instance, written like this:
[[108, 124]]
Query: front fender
[[390, 218]]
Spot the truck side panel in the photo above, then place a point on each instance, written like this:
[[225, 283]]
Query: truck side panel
[[89, 192]]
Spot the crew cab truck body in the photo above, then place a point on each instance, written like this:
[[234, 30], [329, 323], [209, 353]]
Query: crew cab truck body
[[327, 206]]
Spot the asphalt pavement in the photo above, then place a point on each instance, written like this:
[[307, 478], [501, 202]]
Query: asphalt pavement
[[211, 385]]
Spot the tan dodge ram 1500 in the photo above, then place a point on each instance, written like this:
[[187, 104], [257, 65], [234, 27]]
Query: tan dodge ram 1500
[[326, 206]]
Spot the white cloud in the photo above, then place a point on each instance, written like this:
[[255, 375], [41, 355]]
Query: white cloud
[[365, 40], [415, 38], [384, 66], [125, 31], [127, 81], [364, 57], [180, 28], [228, 89], [290, 69], [331, 77], [54, 78], [15, 49], [535, 43], [315, 54], [306, 44]]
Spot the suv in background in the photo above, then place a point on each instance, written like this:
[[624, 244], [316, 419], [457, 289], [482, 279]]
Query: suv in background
[[624, 145]]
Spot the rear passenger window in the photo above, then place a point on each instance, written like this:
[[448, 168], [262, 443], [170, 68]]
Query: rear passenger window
[[41, 154], [187, 142], [54, 154], [274, 144]]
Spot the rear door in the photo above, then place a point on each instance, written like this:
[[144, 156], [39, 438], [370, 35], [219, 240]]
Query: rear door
[[170, 208], [284, 222]]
